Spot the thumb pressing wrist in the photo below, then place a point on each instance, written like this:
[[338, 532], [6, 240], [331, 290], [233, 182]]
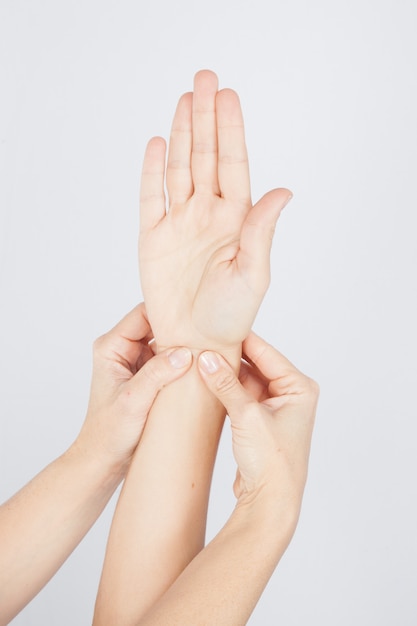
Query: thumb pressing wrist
[[179, 357], [222, 382], [159, 371]]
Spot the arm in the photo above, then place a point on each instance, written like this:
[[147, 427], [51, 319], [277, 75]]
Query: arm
[[204, 267], [272, 417], [160, 518], [223, 583], [42, 524]]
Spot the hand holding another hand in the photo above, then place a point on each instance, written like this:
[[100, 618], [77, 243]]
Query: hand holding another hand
[[126, 380], [272, 414]]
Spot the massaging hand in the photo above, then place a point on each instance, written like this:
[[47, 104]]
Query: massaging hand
[[42, 524], [126, 379], [204, 263], [272, 414]]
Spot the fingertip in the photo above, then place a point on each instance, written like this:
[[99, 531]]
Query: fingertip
[[184, 107], [179, 358], [282, 197], [209, 362], [228, 94], [186, 97], [156, 145], [279, 196], [220, 378], [289, 197], [230, 113], [208, 77]]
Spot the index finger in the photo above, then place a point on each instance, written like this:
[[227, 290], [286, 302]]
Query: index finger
[[270, 363], [134, 326]]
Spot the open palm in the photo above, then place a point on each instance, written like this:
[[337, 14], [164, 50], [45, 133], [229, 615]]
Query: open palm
[[204, 263]]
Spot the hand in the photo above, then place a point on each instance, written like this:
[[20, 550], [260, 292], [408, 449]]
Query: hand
[[272, 414], [204, 264], [126, 379]]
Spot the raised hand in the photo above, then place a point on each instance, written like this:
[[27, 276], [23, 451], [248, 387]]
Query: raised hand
[[204, 262]]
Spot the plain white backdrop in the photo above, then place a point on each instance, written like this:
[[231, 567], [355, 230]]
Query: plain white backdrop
[[329, 94]]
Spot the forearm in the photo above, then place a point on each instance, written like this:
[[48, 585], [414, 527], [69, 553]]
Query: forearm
[[43, 523], [159, 523], [224, 582]]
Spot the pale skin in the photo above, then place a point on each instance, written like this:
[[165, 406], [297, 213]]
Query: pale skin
[[272, 413], [42, 524], [204, 263]]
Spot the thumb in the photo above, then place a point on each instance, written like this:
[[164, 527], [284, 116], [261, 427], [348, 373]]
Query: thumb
[[257, 234], [223, 383], [158, 372]]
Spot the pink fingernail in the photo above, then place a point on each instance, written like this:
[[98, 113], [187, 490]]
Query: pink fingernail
[[180, 357], [209, 362]]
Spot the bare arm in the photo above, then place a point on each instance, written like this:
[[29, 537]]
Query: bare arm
[[42, 524], [272, 418], [160, 519], [224, 582], [204, 269]]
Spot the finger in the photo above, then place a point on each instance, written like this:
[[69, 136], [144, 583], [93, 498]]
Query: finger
[[233, 166], [251, 379], [256, 238], [270, 363], [126, 342], [145, 355], [179, 179], [158, 372], [152, 196], [284, 378], [134, 326], [204, 145], [223, 383]]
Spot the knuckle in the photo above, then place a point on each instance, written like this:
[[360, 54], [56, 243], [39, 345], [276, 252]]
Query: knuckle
[[225, 382], [316, 387], [100, 343], [312, 387], [295, 382], [152, 372]]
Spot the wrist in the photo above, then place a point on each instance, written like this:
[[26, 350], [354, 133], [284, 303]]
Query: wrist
[[232, 353], [97, 462], [270, 511]]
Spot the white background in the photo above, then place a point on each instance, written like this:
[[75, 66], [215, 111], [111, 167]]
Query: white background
[[329, 94]]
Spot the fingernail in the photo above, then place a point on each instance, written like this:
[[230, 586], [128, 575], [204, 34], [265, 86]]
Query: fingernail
[[290, 197], [179, 357], [209, 362]]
